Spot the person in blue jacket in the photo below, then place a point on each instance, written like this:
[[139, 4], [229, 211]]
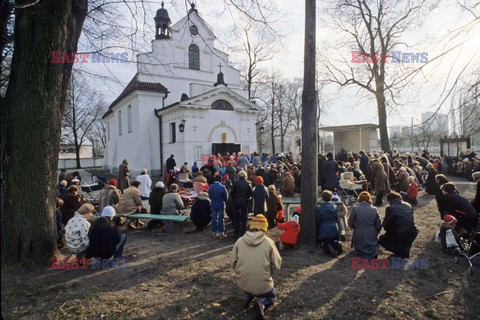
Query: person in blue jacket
[[327, 224], [218, 196]]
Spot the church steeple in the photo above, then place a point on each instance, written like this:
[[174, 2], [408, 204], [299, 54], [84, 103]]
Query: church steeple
[[220, 79], [162, 24], [192, 8]]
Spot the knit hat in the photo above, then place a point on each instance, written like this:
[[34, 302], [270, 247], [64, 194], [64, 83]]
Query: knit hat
[[451, 220], [403, 169], [295, 218], [258, 180], [259, 222], [113, 182], [108, 211], [159, 184], [75, 180], [271, 187], [298, 209]]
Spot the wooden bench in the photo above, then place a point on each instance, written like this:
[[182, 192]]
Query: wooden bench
[[172, 222]]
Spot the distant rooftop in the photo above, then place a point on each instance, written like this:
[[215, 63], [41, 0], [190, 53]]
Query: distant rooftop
[[349, 127]]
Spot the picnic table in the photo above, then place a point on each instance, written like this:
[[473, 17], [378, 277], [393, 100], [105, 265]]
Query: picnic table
[[287, 202]]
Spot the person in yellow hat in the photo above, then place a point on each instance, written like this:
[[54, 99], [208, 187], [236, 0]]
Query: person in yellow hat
[[254, 258]]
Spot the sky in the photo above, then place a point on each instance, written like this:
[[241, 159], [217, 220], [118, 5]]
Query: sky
[[345, 105]]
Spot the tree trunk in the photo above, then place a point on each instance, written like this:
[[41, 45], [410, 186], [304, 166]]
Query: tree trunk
[[272, 132], [77, 154], [35, 101], [309, 133], [382, 120]]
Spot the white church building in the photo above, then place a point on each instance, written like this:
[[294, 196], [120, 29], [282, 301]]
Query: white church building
[[185, 100]]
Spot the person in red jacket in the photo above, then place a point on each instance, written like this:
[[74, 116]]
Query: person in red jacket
[[290, 236], [412, 192]]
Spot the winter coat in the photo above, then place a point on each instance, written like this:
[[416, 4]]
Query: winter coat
[[292, 229], [123, 173], [260, 197], [331, 178], [365, 221], [321, 167], [201, 212], [399, 221], [440, 197], [145, 185], [71, 203], [170, 164], [462, 209], [155, 200], [274, 204], [263, 173], [103, 237], [364, 165], [243, 162], [218, 195], [109, 196], [402, 181], [377, 172], [171, 203], [431, 183], [254, 258], [287, 189], [412, 190], [272, 176], [241, 191], [76, 233], [129, 202], [327, 220]]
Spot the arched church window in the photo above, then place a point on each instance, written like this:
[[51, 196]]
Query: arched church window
[[222, 105], [193, 57]]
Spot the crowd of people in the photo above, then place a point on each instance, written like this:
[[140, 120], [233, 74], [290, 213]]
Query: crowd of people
[[236, 185]]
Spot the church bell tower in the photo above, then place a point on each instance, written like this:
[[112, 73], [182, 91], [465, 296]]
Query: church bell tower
[[162, 24]]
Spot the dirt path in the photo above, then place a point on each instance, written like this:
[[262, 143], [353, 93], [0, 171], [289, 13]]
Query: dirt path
[[188, 276]]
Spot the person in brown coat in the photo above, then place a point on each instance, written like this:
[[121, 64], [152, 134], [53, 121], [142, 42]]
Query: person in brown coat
[[377, 173], [72, 200], [123, 173], [287, 188], [402, 178], [274, 204]]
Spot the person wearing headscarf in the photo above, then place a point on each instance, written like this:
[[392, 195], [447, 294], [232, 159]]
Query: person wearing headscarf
[[440, 180], [430, 183], [365, 221], [109, 195], [448, 236], [155, 201], [201, 211], [327, 224], [254, 258], [260, 196], [412, 192], [274, 205], [402, 179], [287, 188], [461, 209]]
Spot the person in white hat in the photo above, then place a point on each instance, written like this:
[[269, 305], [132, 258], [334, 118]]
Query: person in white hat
[[105, 238]]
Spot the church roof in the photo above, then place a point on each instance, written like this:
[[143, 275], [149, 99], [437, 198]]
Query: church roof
[[196, 101], [133, 85]]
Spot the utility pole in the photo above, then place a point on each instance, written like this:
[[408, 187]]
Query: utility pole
[[309, 133], [412, 136]]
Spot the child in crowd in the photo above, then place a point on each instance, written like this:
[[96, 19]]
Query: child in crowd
[[447, 235], [76, 230], [290, 236]]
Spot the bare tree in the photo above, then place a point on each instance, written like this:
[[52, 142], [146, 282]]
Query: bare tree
[[82, 111], [373, 29]]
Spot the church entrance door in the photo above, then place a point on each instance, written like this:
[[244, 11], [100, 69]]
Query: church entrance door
[[225, 147]]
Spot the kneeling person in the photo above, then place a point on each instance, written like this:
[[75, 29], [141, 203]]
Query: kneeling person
[[254, 257], [105, 239]]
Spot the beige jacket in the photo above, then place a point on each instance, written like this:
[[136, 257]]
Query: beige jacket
[[254, 258], [129, 202]]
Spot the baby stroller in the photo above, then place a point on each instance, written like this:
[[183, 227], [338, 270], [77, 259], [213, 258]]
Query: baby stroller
[[469, 249], [97, 184], [350, 187]]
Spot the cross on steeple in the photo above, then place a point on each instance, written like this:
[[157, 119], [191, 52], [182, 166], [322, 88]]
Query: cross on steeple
[[220, 66]]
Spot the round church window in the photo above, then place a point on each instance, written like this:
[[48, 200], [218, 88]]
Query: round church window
[[193, 30]]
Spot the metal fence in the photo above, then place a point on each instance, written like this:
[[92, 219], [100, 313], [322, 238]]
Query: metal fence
[[85, 163]]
